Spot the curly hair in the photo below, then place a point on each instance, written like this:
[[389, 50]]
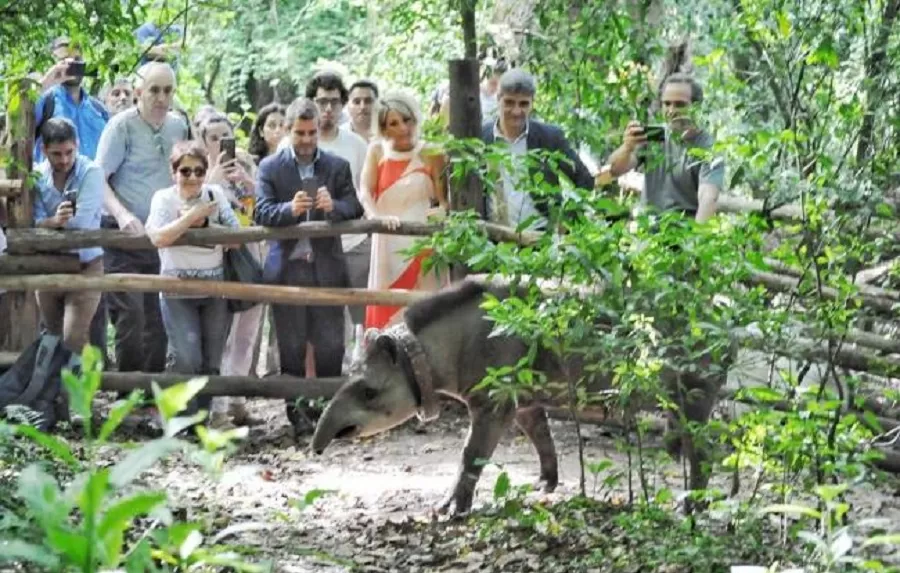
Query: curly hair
[[257, 146]]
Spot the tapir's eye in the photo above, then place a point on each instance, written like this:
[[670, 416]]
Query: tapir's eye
[[370, 394]]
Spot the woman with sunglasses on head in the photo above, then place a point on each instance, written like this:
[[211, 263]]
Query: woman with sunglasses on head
[[195, 325]]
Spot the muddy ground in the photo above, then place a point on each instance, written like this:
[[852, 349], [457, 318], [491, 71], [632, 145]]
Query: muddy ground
[[379, 517]]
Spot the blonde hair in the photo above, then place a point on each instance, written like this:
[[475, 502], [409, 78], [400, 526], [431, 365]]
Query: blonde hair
[[403, 103]]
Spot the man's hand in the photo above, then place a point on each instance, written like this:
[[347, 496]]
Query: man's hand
[[323, 200], [56, 75], [634, 136], [63, 214], [301, 203]]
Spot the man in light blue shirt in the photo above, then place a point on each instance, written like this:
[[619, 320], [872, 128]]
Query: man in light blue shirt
[[134, 155], [69, 196], [70, 100]]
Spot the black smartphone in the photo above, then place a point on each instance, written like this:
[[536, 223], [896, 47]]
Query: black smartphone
[[71, 197], [76, 69], [227, 146], [655, 133], [311, 186]]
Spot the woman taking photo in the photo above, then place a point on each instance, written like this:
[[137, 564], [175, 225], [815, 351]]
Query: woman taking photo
[[401, 180], [195, 325]]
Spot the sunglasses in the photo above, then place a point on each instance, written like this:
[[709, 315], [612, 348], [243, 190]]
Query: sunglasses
[[199, 172]]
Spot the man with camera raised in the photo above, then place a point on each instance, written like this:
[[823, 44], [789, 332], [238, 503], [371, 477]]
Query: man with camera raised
[[682, 176]]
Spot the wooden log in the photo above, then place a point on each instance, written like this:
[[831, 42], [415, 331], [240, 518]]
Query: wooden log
[[884, 301], [10, 187], [851, 358], [309, 296], [275, 387], [22, 241], [38, 264]]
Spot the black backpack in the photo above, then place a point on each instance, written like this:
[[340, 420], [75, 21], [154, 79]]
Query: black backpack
[[49, 107], [35, 382]]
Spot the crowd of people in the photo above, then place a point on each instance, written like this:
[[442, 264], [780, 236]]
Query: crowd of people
[[131, 160]]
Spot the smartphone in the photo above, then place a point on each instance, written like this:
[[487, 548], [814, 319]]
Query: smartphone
[[76, 69], [655, 133], [311, 186], [71, 197], [227, 146]]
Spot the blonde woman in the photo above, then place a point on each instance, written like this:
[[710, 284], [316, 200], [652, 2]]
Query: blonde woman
[[401, 180]]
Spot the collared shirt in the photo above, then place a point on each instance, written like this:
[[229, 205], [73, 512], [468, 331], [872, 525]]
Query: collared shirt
[[305, 170], [349, 145], [515, 206], [86, 179], [134, 157], [88, 116]]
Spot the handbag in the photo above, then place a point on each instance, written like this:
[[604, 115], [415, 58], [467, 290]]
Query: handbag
[[241, 266]]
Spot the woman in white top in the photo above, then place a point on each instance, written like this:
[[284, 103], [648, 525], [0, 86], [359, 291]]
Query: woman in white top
[[196, 326]]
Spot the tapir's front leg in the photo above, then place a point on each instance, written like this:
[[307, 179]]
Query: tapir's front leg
[[487, 423], [533, 421]]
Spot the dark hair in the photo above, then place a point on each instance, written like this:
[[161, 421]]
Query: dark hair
[[327, 81], [58, 130], [517, 81], [682, 78], [300, 108], [258, 147], [212, 119], [367, 84], [188, 148]]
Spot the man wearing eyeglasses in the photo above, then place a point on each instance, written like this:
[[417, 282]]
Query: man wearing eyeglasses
[[679, 173], [134, 154]]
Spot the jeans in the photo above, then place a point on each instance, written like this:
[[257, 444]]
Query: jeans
[[69, 314], [197, 329], [140, 335]]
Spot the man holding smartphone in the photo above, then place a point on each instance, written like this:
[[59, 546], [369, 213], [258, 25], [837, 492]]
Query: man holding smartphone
[[297, 184], [681, 179], [64, 96]]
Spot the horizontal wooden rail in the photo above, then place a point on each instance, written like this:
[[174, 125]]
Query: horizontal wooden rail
[[885, 301], [23, 241], [309, 296], [38, 264]]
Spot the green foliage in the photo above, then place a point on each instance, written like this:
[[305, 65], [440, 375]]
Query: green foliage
[[88, 523]]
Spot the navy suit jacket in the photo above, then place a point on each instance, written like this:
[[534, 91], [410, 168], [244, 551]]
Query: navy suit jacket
[[549, 137], [277, 181]]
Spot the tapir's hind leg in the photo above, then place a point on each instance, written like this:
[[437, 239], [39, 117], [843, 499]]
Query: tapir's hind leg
[[487, 423], [533, 422]]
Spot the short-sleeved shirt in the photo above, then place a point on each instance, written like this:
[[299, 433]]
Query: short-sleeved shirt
[[672, 184], [86, 179], [134, 157], [89, 117], [186, 261]]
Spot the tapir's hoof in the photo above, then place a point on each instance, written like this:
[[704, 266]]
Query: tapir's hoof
[[455, 504], [546, 485]]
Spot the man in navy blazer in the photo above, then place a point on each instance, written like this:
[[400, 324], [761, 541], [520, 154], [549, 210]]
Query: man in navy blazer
[[297, 184], [521, 134]]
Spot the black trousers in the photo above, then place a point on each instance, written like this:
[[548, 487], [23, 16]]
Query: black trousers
[[141, 343], [323, 326]]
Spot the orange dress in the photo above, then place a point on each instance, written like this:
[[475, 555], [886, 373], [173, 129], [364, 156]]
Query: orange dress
[[405, 190]]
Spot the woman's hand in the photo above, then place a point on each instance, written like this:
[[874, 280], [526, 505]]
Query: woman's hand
[[237, 174], [200, 212], [391, 222], [220, 169]]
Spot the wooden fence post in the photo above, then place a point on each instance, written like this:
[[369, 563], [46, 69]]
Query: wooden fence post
[[18, 310]]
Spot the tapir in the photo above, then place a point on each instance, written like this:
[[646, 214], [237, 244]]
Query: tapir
[[443, 346]]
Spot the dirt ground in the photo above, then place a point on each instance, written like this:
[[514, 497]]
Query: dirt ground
[[384, 489]]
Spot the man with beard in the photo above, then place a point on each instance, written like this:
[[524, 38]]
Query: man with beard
[[134, 155], [305, 183], [363, 94], [65, 97], [681, 178]]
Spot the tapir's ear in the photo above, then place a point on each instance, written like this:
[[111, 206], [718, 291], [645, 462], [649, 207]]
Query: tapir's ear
[[387, 344]]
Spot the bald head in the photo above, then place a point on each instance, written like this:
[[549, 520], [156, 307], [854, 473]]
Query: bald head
[[155, 89]]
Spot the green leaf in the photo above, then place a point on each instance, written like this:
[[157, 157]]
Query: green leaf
[[140, 460], [91, 497], [889, 539], [73, 545], [502, 486], [13, 550], [119, 517], [55, 445], [193, 541], [42, 495], [796, 510], [118, 413], [175, 398]]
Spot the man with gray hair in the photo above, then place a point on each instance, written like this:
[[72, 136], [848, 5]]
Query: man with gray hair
[[302, 182], [682, 179], [517, 132], [134, 155], [119, 96]]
